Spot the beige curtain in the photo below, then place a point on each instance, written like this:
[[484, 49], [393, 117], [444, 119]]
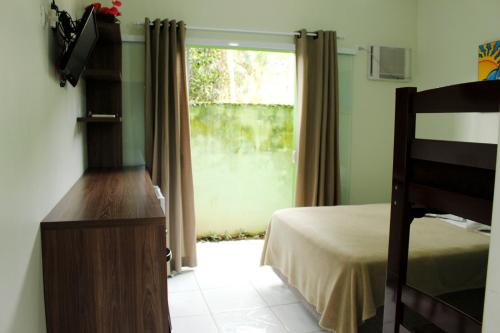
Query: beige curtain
[[318, 180], [168, 151]]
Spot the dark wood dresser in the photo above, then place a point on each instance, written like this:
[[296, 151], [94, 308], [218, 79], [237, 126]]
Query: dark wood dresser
[[103, 249]]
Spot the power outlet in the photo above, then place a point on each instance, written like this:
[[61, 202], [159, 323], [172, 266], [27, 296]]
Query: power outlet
[[51, 17]]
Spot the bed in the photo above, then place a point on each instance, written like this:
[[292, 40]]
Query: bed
[[336, 258], [347, 261]]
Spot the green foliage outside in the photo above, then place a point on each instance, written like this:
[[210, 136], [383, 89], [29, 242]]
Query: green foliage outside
[[227, 236], [242, 128], [240, 76], [208, 75]]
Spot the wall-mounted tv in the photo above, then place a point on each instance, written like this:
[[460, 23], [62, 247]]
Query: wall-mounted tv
[[75, 58]]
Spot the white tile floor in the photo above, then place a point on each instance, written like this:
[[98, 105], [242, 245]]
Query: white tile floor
[[229, 293]]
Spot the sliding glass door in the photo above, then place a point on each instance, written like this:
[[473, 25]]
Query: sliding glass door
[[242, 137], [243, 125]]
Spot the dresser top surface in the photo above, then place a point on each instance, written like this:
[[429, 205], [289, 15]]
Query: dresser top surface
[[108, 196]]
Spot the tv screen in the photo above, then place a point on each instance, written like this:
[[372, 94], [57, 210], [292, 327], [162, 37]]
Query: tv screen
[[79, 50]]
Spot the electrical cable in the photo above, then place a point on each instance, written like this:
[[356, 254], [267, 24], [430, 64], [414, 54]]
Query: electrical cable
[[66, 25]]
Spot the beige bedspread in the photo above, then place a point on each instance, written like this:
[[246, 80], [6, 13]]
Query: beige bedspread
[[336, 257]]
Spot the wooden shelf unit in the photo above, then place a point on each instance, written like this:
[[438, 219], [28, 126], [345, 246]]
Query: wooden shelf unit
[[98, 120], [103, 251], [103, 75], [108, 33], [104, 96]]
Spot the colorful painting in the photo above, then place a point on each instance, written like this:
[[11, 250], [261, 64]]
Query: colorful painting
[[489, 61]]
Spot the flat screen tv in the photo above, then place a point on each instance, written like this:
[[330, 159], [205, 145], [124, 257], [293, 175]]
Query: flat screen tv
[[78, 52]]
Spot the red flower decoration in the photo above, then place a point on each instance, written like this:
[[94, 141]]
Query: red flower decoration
[[114, 10]]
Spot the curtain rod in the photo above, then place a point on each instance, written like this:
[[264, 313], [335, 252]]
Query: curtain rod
[[244, 31]]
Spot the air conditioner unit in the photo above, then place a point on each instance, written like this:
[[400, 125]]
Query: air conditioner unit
[[388, 63]]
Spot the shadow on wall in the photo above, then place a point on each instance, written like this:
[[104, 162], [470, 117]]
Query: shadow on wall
[[31, 296]]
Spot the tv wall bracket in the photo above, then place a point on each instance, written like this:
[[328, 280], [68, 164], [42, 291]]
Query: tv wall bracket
[[65, 27], [64, 22]]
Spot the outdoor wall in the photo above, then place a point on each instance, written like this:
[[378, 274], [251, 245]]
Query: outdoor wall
[[384, 22], [42, 155], [242, 165], [449, 33]]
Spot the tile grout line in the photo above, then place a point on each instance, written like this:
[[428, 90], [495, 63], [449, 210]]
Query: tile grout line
[[223, 287], [302, 306], [297, 301], [206, 303], [267, 306], [279, 319], [274, 314], [253, 285], [271, 309], [271, 305], [210, 314]]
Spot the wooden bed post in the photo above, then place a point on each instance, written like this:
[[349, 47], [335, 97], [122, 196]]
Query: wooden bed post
[[401, 216]]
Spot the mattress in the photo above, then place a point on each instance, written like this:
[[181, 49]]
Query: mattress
[[336, 257]]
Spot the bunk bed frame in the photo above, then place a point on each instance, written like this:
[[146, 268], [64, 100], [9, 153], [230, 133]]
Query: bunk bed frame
[[432, 176]]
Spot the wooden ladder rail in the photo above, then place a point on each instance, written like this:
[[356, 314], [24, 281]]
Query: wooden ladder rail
[[400, 211]]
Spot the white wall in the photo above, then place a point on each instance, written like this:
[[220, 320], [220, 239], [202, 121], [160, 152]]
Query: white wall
[[41, 156], [362, 22], [492, 303], [449, 33]]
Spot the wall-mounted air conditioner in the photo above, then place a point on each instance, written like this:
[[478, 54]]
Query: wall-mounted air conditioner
[[389, 63]]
